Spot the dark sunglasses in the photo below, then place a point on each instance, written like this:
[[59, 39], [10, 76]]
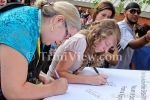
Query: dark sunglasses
[[133, 11]]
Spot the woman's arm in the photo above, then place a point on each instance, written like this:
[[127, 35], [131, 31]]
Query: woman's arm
[[14, 69], [64, 64]]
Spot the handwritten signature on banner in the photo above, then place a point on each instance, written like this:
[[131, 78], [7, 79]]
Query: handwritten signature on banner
[[133, 95], [93, 93], [143, 86], [111, 84]]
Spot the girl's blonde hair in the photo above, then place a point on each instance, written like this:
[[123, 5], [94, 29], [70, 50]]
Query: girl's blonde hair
[[98, 31], [50, 9]]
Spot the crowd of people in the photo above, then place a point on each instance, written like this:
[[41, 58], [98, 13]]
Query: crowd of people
[[25, 2], [101, 42], [84, 15]]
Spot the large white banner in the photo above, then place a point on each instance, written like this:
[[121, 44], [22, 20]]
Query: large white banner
[[121, 85]]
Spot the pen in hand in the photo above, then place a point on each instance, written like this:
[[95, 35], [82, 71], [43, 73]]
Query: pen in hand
[[89, 64], [96, 70], [56, 74]]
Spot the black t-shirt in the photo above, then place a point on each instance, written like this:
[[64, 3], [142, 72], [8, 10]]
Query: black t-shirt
[[80, 11]]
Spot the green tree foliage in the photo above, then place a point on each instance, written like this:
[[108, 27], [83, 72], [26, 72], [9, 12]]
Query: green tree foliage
[[95, 2], [122, 3]]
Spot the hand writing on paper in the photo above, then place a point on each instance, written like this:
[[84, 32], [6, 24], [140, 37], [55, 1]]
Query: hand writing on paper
[[98, 80], [61, 86]]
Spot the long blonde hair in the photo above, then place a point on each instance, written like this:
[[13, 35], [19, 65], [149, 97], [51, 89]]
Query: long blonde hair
[[64, 8], [98, 31]]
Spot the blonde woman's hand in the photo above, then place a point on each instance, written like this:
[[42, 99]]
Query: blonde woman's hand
[[98, 80], [60, 86]]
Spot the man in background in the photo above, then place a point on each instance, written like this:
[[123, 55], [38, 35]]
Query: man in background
[[128, 43]]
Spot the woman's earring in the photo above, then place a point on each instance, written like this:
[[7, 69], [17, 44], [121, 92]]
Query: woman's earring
[[52, 28]]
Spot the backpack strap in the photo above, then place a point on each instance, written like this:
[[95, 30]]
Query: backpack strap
[[35, 65], [9, 6]]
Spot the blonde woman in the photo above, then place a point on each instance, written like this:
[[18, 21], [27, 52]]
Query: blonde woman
[[19, 36], [75, 53]]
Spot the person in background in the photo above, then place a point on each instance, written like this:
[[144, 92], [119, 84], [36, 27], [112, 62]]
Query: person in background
[[141, 57], [89, 19], [28, 2], [2, 3], [86, 14], [19, 47], [82, 18], [75, 53], [128, 42], [80, 11], [105, 10]]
